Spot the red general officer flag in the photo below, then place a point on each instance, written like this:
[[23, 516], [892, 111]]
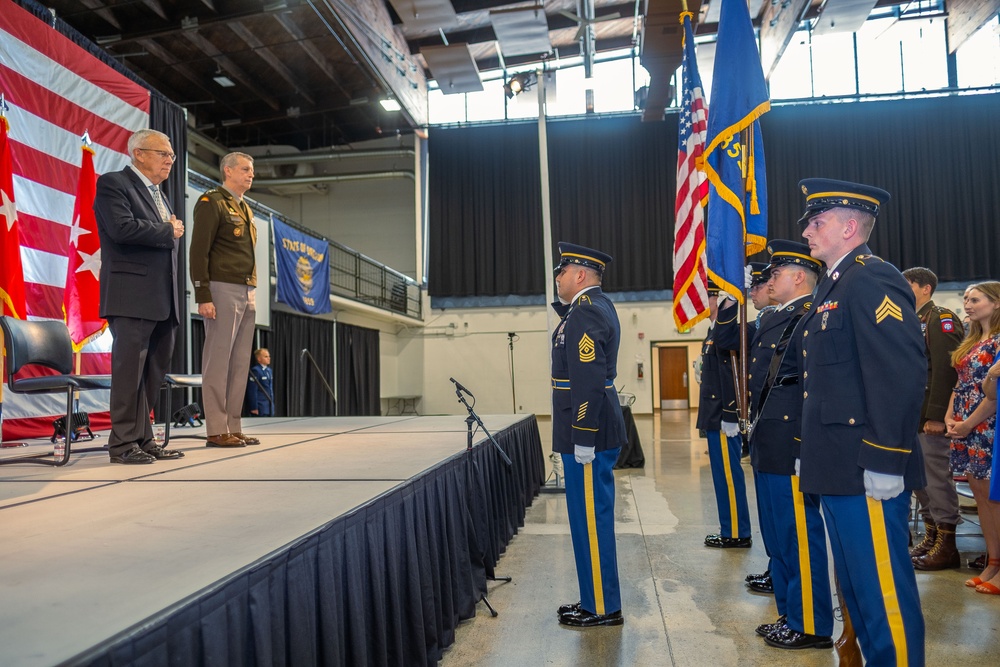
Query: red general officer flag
[[81, 301], [11, 273]]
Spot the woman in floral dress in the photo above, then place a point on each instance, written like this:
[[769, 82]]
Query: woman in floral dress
[[972, 420]]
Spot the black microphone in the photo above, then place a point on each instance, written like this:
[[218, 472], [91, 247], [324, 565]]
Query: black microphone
[[460, 387]]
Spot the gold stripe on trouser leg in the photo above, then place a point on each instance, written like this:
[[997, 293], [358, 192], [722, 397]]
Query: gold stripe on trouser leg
[[805, 564], [730, 486], [595, 553], [886, 580]]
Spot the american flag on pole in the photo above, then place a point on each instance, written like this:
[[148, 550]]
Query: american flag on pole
[[690, 279], [56, 90]]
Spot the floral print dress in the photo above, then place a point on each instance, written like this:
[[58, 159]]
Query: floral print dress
[[973, 454]]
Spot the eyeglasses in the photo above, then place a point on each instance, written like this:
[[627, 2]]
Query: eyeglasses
[[163, 154]]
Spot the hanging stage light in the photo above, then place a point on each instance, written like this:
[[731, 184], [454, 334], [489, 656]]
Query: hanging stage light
[[519, 83]]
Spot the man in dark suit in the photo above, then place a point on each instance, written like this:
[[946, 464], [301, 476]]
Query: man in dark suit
[[863, 373], [139, 240], [588, 429]]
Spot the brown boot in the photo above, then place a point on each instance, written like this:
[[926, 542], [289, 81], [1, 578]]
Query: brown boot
[[930, 537], [943, 554]]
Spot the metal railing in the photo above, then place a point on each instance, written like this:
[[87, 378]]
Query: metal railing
[[352, 275]]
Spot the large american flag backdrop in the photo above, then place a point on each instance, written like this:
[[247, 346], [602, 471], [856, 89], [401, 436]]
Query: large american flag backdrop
[[690, 278], [56, 91]]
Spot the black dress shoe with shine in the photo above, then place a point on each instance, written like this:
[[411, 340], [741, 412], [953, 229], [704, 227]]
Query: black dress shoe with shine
[[161, 454], [762, 585], [132, 457], [581, 618], [767, 628], [719, 542], [750, 577], [792, 639], [567, 608]]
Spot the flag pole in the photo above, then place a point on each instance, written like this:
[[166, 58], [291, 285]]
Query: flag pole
[[743, 402]]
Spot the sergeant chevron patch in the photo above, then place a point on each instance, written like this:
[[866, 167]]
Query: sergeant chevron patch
[[888, 309], [582, 412], [587, 350]]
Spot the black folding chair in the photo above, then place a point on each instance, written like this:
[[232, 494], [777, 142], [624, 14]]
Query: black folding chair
[[45, 343]]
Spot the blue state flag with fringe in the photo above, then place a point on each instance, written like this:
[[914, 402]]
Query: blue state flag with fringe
[[303, 267], [734, 158]]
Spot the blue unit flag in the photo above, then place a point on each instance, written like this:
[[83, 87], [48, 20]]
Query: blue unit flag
[[734, 159], [303, 267]]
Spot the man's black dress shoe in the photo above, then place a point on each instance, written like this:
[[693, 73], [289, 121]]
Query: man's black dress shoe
[[750, 577], [161, 454], [767, 628], [581, 618], [787, 638], [567, 608], [720, 542], [133, 456], [762, 585]]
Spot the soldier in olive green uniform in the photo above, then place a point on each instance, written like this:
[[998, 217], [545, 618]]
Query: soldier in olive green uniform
[[938, 500], [224, 273]]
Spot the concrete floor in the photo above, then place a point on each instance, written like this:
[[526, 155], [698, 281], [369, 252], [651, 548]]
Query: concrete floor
[[684, 604]]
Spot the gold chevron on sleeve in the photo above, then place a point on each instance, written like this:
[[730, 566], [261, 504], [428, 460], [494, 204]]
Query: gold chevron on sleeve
[[888, 309], [587, 349], [582, 412]]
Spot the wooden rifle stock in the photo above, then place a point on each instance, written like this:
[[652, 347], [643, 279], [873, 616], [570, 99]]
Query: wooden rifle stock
[[846, 646]]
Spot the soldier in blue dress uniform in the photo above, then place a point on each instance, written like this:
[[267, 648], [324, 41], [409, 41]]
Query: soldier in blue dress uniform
[[863, 372], [789, 519], [588, 429], [717, 418]]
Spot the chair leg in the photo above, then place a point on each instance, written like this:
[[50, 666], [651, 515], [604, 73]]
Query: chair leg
[[69, 428]]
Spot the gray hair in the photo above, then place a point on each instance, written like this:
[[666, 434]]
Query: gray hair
[[140, 137], [229, 160]]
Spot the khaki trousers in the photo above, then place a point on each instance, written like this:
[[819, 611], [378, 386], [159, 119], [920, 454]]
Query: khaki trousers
[[225, 363]]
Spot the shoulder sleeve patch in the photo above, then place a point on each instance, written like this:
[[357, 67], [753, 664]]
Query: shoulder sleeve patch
[[203, 198]]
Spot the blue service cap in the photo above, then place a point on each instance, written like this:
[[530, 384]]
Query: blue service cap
[[792, 252], [825, 193], [570, 253], [760, 273]]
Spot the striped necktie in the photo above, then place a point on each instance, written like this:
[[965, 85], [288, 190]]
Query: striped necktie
[[158, 200]]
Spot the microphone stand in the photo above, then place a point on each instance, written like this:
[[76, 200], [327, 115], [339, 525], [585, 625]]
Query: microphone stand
[[473, 418], [510, 353]]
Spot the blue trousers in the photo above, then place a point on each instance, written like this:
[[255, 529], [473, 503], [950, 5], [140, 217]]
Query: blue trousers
[[730, 484], [590, 501], [800, 569], [764, 521], [869, 542]]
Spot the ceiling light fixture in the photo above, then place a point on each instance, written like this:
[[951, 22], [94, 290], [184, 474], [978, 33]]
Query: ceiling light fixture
[[519, 83], [390, 104]]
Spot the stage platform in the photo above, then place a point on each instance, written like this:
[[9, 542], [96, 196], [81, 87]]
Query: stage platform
[[338, 540]]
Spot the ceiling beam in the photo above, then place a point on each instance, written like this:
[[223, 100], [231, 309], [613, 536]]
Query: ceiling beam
[[174, 64], [231, 67], [777, 25], [293, 29], [101, 10], [965, 17], [268, 56], [156, 8]]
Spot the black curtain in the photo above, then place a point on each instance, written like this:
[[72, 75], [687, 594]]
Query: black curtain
[[613, 183], [358, 369], [299, 390]]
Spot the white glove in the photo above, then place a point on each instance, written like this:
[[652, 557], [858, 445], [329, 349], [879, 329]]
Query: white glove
[[882, 487], [747, 276], [584, 455], [731, 429], [798, 466]]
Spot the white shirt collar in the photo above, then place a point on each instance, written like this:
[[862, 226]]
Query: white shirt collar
[[145, 181], [585, 289]]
